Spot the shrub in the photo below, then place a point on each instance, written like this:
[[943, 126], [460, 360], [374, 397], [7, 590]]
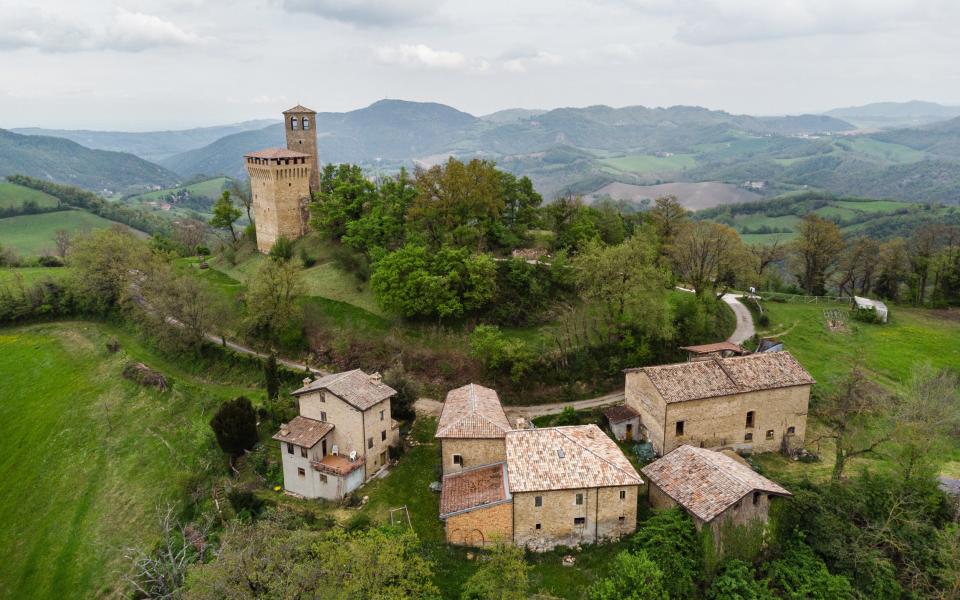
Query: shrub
[[358, 522], [282, 249], [50, 261], [307, 260], [802, 574], [504, 575], [633, 576], [235, 425], [763, 320], [246, 504], [737, 581], [671, 541]]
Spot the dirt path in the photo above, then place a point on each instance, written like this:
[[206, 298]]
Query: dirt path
[[241, 349]]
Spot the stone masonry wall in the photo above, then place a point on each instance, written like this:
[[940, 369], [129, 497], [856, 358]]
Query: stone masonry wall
[[642, 397], [475, 453], [601, 511], [279, 193], [481, 527]]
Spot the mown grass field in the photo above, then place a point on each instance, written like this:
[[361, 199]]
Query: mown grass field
[[12, 195], [30, 275], [87, 456], [887, 353], [32, 235]]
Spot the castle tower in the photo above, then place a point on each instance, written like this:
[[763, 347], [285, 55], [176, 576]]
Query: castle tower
[[300, 123], [280, 186]]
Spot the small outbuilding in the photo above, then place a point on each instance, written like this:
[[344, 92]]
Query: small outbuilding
[[624, 422], [715, 350], [713, 487], [860, 303]]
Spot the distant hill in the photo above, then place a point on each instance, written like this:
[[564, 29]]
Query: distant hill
[[64, 161], [940, 139], [149, 145], [511, 115], [886, 115]]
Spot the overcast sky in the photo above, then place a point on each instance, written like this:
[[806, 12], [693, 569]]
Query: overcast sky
[[149, 64]]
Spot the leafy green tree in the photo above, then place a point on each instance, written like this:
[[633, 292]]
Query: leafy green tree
[[503, 575], [816, 253], [235, 425], [225, 214], [383, 222], [271, 376], [497, 353], [447, 283], [267, 561], [270, 299], [241, 191], [344, 192], [671, 541], [737, 581], [633, 576], [709, 256], [668, 218], [109, 266], [457, 203], [570, 221], [802, 575]]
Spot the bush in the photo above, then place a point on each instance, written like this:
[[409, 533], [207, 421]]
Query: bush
[[633, 576], [282, 249], [671, 541], [235, 425], [763, 320], [497, 353], [802, 574], [247, 505], [50, 261], [358, 522], [307, 260], [737, 581]]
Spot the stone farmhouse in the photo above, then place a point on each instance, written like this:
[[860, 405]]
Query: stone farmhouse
[[537, 488], [341, 437], [283, 179], [713, 487], [753, 403]]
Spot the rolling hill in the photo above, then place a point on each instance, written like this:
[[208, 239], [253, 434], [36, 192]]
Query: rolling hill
[[149, 145], [884, 115], [64, 161]]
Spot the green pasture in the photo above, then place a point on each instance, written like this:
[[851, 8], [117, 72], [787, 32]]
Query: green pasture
[[649, 163], [33, 235], [12, 195]]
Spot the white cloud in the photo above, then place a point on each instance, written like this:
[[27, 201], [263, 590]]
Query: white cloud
[[420, 56], [125, 32], [708, 22], [521, 62], [366, 13]]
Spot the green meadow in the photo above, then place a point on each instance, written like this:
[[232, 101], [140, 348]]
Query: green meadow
[[32, 235], [12, 195]]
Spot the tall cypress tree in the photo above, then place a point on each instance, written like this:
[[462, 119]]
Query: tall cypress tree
[[271, 375], [235, 425]]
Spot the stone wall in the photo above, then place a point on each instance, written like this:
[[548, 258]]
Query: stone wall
[[305, 140], [600, 511], [280, 193], [620, 429], [481, 527], [642, 397], [475, 453]]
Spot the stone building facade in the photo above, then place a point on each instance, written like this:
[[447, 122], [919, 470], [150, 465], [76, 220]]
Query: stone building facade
[[754, 403], [283, 179], [715, 488], [342, 436], [471, 429]]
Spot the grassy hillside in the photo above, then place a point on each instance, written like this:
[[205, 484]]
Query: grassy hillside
[[15, 196], [63, 161], [209, 188], [88, 456], [33, 234]]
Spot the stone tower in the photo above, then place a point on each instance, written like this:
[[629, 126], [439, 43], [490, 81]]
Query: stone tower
[[300, 123], [280, 187]]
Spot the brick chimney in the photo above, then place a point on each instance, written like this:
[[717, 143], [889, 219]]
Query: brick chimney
[[376, 378]]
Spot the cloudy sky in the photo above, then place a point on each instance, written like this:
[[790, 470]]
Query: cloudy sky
[[147, 64]]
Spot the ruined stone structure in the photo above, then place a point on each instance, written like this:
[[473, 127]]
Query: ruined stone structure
[[754, 403], [715, 488], [536, 488], [283, 179]]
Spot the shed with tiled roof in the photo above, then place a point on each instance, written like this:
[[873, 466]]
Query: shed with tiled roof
[[712, 486]]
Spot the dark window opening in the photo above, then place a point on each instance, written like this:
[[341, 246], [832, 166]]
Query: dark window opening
[[622, 519], [623, 494], [579, 520], [679, 428], [301, 472], [294, 124], [538, 500], [289, 448], [538, 526], [383, 436], [750, 418], [756, 497], [579, 499], [748, 437], [769, 434], [369, 443], [791, 430], [458, 460], [306, 122]]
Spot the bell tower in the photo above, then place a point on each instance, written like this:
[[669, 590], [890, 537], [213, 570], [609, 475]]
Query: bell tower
[[301, 127]]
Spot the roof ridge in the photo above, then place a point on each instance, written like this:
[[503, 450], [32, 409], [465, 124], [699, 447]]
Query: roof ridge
[[719, 363], [591, 451]]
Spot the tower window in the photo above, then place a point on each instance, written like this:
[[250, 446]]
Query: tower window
[[294, 124], [306, 122]]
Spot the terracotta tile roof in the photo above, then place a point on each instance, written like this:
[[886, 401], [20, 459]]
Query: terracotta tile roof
[[355, 387], [724, 376], [299, 109], [620, 413], [716, 347], [706, 482], [558, 458], [474, 488], [276, 153], [303, 431], [471, 412]]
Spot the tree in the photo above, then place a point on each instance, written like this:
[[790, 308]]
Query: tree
[[271, 376], [737, 581], [108, 268], [765, 255], [225, 214], [633, 577], [858, 267], [161, 572], [267, 561], [457, 203], [671, 541], [503, 575], [448, 283], [817, 250], [179, 309], [282, 249], [571, 224], [709, 255], [624, 283], [383, 220], [851, 415], [271, 297], [190, 233], [926, 416], [235, 425], [241, 191], [668, 218], [893, 268], [62, 241], [802, 575], [344, 194]]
